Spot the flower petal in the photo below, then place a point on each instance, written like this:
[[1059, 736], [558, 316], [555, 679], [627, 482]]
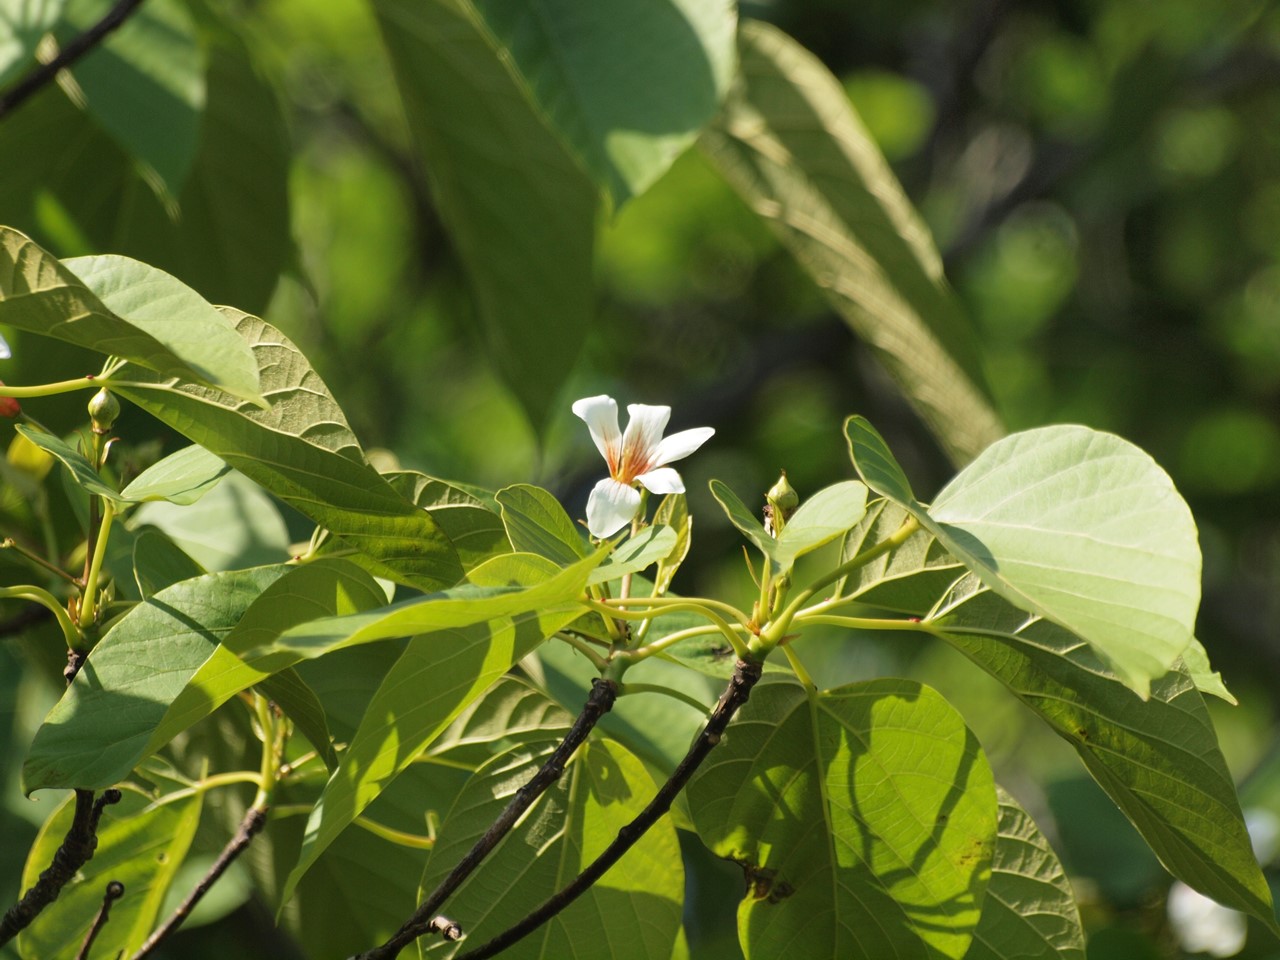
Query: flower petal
[[601, 417], [662, 480], [5, 354], [610, 507], [644, 430], [680, 445]]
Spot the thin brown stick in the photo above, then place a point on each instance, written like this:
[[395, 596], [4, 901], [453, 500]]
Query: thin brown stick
[[42, 75], [603, 694], [115, 890], [73, 853], [735, 695], [254, 820]]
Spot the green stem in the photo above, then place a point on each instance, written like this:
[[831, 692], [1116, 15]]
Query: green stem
[[584, 648], [798, 668], [863, 623], [693, 606], [50, 389], [48, 600], [626, 688], [89, 602], [206, 784], [676, 602], [399, 837], [671, 639], [10, 544]]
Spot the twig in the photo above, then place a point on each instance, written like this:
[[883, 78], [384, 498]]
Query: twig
[[12, 98], [744, 677], [115, 890], [74, 852], [254, 820], [600, 702]]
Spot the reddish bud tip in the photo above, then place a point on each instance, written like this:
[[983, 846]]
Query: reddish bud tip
[[9, 406]]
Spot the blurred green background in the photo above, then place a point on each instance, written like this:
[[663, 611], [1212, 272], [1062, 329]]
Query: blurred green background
[[1102, 178]]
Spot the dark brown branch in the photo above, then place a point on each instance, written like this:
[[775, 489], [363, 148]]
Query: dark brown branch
[[254, 820], [74, 852], [735, 695], [603, 694], [42, 75], [115, 890]]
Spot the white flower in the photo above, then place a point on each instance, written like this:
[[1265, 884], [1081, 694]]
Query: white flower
[[1203, 926], [4, 350], [638, 456]]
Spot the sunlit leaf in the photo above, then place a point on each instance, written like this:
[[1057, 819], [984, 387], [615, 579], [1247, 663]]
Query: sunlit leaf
[[634, 910], [472, 525], [625, 117], [1029, 912], [635, 554], [182, 477], [1207, 680], [537, 523], [520, 210], [790, 143], [864, 818], [820, 519], [673, 512], [140, 846]]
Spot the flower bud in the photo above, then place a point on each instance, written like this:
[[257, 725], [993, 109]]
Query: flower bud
[[781, 503], [9, 406], [103, 410]]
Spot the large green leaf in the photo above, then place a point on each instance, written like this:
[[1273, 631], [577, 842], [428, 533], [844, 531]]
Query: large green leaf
[[633, 911], [22, 24], [176, 334], [864, 818], [439, 674], [1029, 912], [1075, 525], [100, 728], [472, 524], [303, 451], [520, 210], [625, 117], [1158, 758], [139, 845], [909, 579], [790, 143], [537, 523], [145, 83]]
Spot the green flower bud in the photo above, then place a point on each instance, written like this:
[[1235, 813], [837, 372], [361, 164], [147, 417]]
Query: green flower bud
[[782, 501], [103, 410]]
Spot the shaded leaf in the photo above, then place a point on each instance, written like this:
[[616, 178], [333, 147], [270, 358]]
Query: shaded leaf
[[1158, 759], [182, 477], [741, 517], [790, 143], [100, 728], [633, 911], [910, 578], [673, 512], [519, 209], [303, 451], [158, 562], [625, 117], [472, 525], [864, 818], [22, 24], [1029, 912]]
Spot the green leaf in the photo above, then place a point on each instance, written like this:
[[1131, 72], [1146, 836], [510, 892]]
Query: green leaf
[[439, 674], [820, 519], [303, 451], [673, 512], [537, 523], [40, 295], [1029, 912], [1207, 680], [192, 328], [472, 525], [99, 730], [875, 463], [325, 588], [145, 83], [141, 846], [910, 578], [625, 117], [635, 553], [510, 711], [1075, 525], [77, 463], [634, 909], [182, 477], [864, 818], [22, 24], [742, 518], [790, 143], [158, 562], [520, 210], [235, 526], [1158, 759]]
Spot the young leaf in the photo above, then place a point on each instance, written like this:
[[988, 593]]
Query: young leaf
[[820, 519], [520, 210], [1207, 680], [303, 451], [742, 518], [635, 553], [789, 142], [864, 818], [99, 730], [1077, 526], [1158, 759], [537, 523], [77, 463], [1029, 912], [673, 512], [625, 117], [182, 477], [635, 908], [139, 845]]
